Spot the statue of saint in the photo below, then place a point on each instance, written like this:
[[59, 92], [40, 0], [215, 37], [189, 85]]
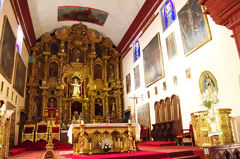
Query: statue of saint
[[76, 88]]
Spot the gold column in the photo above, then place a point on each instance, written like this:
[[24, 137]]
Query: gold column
[[91, 65], [105, 70], [44, 100], [130, 137], [119, 104], [92, 113], [81, 140], [32, 93], [107, 116]]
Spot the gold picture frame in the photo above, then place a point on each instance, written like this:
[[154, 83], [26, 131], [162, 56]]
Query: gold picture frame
[[194, 26], [153, 63], [203, 80]]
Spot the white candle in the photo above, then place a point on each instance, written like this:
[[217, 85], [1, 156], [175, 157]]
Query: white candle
[[129, 121], [82, 122]]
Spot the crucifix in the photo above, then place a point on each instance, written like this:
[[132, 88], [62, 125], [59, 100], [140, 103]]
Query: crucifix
[[134, 113]]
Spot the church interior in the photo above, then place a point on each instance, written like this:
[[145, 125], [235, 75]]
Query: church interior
[[120, 79]]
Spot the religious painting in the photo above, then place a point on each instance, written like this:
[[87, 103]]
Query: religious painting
[[20, 76], [136, 77], [148, 94], [53, 69], [98, 107], [207, 82], [110, 72], [165, 86], [168, 14], [1, 5], [153, 61], [171, 46], [97, 71], [8, 45], [84, 14], [1, 86], [194, 27], [136, 50], [175, 81], [143, 113], [156, 90], [188, 73], [128, 83]]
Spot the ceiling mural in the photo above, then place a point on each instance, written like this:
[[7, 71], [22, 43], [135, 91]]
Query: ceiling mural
[[84, 14], [48, 15]]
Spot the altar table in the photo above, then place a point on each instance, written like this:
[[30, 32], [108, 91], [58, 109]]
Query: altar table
[[87, 138]]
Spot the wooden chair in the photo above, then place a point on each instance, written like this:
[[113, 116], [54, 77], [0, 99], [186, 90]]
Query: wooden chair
[[41, 131], [55, 132], [28, 133], [186, 136]]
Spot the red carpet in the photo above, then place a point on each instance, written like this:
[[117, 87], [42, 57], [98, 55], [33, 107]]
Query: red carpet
[[133, 155], [157, 143], [16, 151], [36, 146]]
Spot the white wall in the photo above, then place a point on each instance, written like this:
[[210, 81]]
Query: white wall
[[7, 10], [219, 56]]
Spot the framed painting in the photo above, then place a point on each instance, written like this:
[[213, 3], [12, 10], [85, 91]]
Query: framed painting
[[207, 81], [143, 115], [128, 83], [194, 27], [85, 14], [171, 46], [153, 61], [7, 52], [168, 14], [1, 5], [136, 77], [20, 76], [136, 51]]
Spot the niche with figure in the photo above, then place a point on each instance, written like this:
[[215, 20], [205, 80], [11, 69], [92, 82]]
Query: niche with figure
[[76, 55], [76, 107], [97, 71], [53, 69], [98, 106], [52, 103], [110, 72], [76, 87], [37, 107], [112, 106]]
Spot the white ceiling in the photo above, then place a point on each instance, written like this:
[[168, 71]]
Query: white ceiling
[[44, 15]]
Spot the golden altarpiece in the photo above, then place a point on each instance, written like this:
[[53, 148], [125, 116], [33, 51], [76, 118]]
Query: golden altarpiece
[[74, 69]]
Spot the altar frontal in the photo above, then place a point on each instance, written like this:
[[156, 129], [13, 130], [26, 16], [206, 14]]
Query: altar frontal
[[102, 138]]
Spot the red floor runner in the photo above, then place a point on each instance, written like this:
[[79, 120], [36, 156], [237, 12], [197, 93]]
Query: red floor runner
[[41, 145], [157, 143], [133, 155], [16, 151]]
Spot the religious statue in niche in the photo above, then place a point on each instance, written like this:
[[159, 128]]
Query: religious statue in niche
[[52, 103], [76, 106], [53, 69], [110, 73], [98, 107], [39, 72], [112, 106], [76, 88], [97, 71], [77, 55]]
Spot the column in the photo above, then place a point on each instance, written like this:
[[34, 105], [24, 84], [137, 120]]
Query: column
[[32, 93]]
